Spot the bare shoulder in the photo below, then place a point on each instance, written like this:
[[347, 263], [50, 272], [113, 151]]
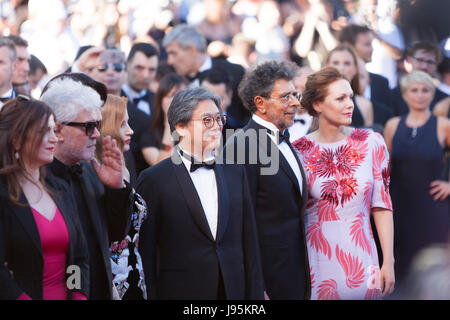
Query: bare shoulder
[[442, 107], [391, 125]]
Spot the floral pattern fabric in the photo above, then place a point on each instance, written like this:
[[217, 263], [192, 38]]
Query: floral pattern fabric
[[345, 180], [120, 252]]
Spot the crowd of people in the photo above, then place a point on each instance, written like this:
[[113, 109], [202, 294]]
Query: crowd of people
[[213, 149]]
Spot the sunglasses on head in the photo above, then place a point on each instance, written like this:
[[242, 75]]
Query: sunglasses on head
[[118, 67], [89, 126]]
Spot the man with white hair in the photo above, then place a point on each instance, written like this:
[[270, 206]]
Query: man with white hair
[[100, 198]]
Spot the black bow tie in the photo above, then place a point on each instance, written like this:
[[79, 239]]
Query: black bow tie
[[282, 136], [143, 97], [192, 78], [300, 120], [207, 165]]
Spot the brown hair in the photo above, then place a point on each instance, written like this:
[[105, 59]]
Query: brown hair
[[354, 83], [23, 124], [316, 87], [113, 113]]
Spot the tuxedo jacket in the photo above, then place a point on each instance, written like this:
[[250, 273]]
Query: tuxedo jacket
[[109, 210], [180, 257], [279, 205], [379, 89], [21, 249]]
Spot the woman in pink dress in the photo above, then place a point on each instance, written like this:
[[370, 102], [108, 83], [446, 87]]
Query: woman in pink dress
[[348, 177], [42, 250]]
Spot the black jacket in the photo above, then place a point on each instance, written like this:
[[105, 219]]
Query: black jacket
[[181, 259], [279, 207], [20, 245], [109, 210]]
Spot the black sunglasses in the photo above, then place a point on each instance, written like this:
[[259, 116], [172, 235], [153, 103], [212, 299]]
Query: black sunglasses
[[89, 126], [118, 67]]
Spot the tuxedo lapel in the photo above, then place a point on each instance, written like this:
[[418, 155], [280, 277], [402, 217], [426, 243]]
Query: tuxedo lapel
[[192, 199], [224, 201], [26, 217]]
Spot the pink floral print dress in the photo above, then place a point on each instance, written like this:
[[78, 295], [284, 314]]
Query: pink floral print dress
[[345, 180]]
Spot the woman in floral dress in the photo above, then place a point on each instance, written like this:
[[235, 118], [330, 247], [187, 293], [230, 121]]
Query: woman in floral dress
[[348, 180]]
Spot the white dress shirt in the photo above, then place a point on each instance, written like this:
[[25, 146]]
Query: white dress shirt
[[142, 105], [8, 94], [299, 129], [205, 183], [283, 147], [207, 64]]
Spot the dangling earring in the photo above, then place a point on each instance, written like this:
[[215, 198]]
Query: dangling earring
[[16, 155]]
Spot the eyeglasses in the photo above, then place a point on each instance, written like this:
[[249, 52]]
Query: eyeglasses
[[286, 98], [89, 126], [208, 121], [421, 60], [118, 67]]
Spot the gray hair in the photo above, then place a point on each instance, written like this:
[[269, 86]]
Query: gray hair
[[260, 80], [417, 76], [185, 102], [68, 98], [185, 36], [5, 42]]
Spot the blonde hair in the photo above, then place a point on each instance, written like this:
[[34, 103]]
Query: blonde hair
[[417, 77], [113, 113]]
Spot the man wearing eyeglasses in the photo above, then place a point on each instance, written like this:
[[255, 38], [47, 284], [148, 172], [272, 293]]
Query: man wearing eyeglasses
[[100, 198], [424, 56], [200, 239], [280, 194]]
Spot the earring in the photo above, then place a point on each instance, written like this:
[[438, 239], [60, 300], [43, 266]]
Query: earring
[[16, 155]]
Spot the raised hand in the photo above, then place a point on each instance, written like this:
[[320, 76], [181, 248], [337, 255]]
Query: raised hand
[[110, 171]]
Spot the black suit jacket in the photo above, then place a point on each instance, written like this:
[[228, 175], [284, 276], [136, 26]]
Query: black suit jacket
[[379, 89], [181, 259], [20, 245], [109, 210], [279, 207]]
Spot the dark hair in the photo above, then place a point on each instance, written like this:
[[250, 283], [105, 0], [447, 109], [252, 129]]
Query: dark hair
[[167, 83], [18, 41], [81, 50], [36, 64], [99, 87], [428, 47], [350, 33], [217, 75], [316, 87], [444, 67], [355, 81], [146, 48], [260, 80], [23, 122]]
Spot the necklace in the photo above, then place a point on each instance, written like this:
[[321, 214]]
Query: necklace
[[414, 132]]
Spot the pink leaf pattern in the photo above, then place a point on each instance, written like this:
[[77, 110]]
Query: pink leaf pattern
[[345, 180], [316, 239], [358, 235], [328, 290], [352, 267]]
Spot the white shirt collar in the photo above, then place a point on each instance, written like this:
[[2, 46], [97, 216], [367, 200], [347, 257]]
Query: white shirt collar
[[8, 94], [265, 123], [131, 94], [207, 64]]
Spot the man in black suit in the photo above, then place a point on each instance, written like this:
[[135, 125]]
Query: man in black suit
[[424, 56], [103, 202], [142, 63], [276, 178], [200, 240], [186, 52]]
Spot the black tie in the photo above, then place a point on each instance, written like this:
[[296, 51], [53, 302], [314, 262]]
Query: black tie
[[143, 97], [207, 165], [283, 136], [300, 120]]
